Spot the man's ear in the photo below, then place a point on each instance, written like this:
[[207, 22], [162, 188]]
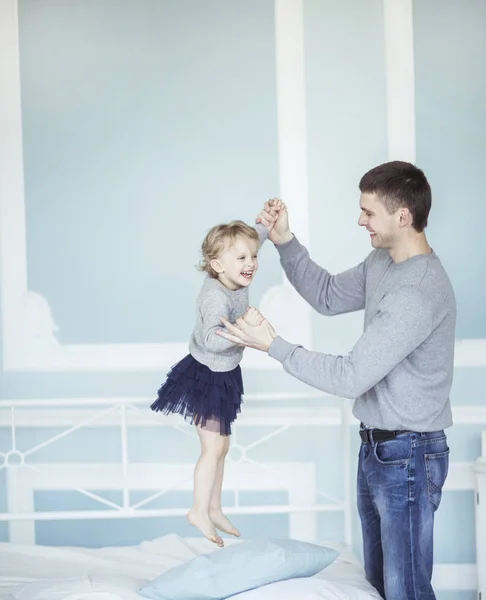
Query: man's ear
[[405, 217]]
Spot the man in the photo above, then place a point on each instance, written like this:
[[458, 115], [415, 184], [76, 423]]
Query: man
[[399, 372]]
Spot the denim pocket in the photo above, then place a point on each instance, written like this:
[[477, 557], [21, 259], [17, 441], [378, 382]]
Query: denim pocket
[[436, 467], [395, 452]]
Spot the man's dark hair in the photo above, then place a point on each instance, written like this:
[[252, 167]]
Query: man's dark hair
[[400, 184]]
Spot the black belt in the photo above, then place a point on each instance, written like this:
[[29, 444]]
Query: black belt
[[379, 435]]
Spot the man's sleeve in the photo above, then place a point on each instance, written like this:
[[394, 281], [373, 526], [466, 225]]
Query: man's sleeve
[[404, 320]]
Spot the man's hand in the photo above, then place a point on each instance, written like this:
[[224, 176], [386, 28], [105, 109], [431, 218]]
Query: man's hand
[[275, 216], [259, 337]]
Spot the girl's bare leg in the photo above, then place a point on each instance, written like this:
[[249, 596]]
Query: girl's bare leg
[[219, 520], [205, 472]]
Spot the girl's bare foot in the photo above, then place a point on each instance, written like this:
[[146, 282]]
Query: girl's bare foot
[[205, 526], [223, 523]]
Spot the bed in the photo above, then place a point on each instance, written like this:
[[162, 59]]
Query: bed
[[116, 573], [33, 428]]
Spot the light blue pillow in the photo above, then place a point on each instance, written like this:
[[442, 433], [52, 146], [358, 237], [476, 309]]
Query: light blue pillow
[[238, 568]]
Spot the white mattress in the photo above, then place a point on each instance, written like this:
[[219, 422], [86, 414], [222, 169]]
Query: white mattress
[[116, 573]]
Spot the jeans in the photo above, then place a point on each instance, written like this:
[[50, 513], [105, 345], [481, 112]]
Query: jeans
[[399, 489]]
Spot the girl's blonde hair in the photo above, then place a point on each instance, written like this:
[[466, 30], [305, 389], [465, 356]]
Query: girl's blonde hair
[[219, 238]]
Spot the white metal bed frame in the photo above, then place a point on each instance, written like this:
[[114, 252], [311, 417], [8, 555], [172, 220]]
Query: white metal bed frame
[[297, 479]]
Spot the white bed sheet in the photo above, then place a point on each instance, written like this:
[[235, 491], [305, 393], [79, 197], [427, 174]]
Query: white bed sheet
[[116, 573]]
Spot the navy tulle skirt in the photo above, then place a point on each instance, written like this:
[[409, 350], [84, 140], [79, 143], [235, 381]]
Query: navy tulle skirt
[[199, 394]]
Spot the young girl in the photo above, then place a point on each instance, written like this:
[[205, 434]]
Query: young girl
[[206, 386]]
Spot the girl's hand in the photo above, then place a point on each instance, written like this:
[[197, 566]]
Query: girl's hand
[[253, 316]]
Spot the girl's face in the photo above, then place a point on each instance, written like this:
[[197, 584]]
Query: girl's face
[[237, 264]]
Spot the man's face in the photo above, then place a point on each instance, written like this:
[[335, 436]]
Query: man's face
[[382, 226]]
